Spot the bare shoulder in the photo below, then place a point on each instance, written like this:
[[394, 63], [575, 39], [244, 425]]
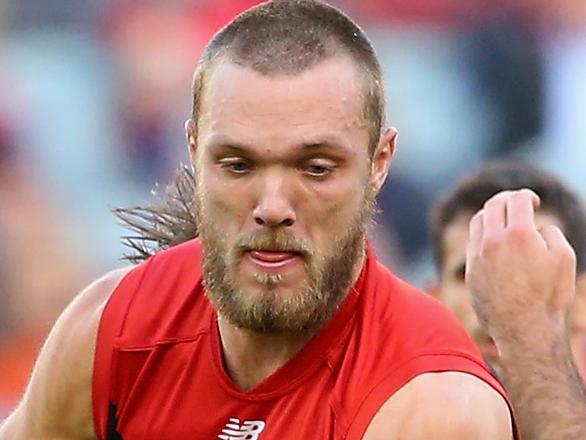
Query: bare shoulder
[[448, 405], [90, 302], [61, 379]]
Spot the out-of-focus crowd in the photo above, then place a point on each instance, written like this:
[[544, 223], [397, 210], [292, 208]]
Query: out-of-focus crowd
[[93, 98]]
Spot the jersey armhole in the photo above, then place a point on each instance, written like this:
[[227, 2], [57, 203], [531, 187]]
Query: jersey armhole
[[109, 329], [426, 363]]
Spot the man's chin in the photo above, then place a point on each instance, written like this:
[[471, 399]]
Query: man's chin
[[268, 312], [254, 274], [259, 283], [270, 288]]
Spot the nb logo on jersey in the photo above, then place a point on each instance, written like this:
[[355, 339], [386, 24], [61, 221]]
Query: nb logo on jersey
[[247, 430]]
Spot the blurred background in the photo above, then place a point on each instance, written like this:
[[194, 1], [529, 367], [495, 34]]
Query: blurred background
[[94, 95]]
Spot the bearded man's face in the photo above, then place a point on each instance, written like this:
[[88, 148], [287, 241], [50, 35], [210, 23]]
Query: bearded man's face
[[285, 192]]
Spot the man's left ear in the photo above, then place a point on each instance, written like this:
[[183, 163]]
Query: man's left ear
[[190, 134], [381, 159]]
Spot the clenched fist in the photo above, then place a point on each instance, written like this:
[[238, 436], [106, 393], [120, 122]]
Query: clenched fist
[[522, 278]]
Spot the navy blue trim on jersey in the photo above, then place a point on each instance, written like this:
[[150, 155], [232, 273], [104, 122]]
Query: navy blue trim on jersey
[[113, 423]]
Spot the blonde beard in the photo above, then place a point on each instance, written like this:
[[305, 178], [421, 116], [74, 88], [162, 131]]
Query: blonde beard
[[329, 277]]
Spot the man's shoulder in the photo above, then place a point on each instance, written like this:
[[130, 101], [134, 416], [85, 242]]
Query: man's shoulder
[[95, 296], [407, 341], [402, 333], [447, 405], [145, 304], [87, 308], [61, 380], [162, 280]]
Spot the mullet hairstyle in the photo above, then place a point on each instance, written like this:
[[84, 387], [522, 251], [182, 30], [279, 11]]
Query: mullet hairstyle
[[168, 221]]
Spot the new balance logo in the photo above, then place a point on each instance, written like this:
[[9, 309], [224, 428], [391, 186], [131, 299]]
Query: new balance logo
[[247, 430]]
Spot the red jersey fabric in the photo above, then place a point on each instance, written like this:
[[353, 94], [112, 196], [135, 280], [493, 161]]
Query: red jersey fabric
[[159, 371]]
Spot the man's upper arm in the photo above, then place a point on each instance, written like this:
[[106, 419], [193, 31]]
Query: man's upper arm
[[441, 406], [57, 403]]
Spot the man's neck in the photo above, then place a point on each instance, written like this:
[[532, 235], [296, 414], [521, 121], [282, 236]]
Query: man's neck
[[251, 357]]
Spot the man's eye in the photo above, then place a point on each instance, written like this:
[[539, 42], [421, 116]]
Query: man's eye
[[318, 170], [236, 166]]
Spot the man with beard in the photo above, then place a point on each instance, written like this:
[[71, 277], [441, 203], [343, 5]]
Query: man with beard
[[278, 323], [450, 223]]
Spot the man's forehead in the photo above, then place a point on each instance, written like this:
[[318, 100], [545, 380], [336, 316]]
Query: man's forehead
[[269, 109], [334, 82]]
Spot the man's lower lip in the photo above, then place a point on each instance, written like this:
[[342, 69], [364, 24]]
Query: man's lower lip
[[276, 263]]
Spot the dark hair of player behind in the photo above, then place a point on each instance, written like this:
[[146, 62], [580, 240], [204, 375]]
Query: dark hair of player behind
[[470, 195]]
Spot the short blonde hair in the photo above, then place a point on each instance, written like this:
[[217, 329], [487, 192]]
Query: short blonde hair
[[290, 36]]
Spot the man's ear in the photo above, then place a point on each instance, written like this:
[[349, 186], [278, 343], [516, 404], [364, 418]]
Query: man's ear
[[190, 133], [381, 158], [432, 286]]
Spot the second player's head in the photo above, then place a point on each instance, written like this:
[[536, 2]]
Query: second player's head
[[451, 218], [289, 152]]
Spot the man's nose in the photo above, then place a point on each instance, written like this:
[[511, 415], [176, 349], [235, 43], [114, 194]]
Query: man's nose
[[274, 207]]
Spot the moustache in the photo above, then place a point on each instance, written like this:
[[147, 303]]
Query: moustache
[[274, 241]]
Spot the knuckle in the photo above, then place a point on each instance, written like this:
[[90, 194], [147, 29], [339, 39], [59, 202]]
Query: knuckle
[[519, 196], [568, 254], [497, 199], [526, 193], [492, 243], [562, 248], [505, 194], [519, 233], [520, 192], [477, 217], [551, 231]]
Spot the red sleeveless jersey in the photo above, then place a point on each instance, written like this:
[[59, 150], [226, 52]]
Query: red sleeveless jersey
[[159, 372]]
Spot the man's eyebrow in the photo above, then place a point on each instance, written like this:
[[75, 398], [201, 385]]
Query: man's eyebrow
[[234, 147], [225, 144], [324, 143]]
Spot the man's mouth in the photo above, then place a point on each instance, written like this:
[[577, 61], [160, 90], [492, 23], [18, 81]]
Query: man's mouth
[[273, 259]]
